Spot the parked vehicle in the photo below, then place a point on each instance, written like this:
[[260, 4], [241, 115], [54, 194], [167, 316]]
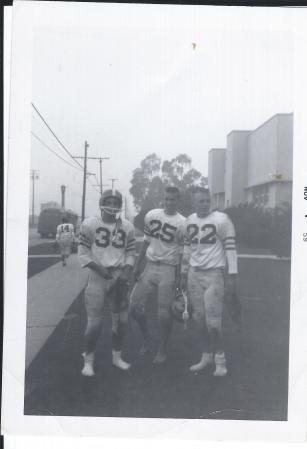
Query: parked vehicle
[[50, 218]]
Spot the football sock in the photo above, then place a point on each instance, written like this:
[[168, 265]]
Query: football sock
[[88, 369], [118, 361], [206, 359], [220, 365]]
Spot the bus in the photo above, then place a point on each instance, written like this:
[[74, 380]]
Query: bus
[[51, 217]]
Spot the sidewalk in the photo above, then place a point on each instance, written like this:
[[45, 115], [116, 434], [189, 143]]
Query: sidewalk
[[50, 293]]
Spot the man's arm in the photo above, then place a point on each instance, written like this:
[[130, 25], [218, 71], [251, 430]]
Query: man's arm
[[228, 237], [185, 262], [129, 256], [99, 269], [140, 259], [180, 241], [178, 272], [147, 239], [229, 243]]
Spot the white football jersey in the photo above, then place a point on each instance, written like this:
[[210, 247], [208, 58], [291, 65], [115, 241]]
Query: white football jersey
[[65, 231], [165, 236], [210, 242], [107, 244]]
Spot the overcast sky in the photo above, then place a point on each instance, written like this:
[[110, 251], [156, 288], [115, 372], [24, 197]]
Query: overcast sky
[[133, 91]]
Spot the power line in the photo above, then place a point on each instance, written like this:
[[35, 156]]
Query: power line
[[62, 145], [60, 157], [52, 151], [96, 179], [92, 185], [53, 133], [113, 181]]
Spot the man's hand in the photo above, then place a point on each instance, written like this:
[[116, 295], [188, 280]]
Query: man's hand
[[104, 273], [232, 300], [136, 274], [183, 281], [126, 274], [231, 284]]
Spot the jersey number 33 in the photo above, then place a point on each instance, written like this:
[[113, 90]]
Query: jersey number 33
[[104, 238]]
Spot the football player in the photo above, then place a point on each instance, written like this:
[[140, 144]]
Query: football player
[[107, 249], [209, 254], [162, 247], [65, 238]]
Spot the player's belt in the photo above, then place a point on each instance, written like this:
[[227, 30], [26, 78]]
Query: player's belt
[[158, 262], [203, 269], [113, 268]]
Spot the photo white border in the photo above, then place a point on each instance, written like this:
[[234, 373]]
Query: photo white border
[[27, 16]]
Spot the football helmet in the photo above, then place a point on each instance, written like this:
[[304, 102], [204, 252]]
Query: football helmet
[[111, 194], [181, 308]]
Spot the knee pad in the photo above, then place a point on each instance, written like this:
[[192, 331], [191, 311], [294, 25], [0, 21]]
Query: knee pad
[[164, 313], [214, 325], [94, 322]]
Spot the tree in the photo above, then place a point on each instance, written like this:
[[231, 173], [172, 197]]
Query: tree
[[180, 173], [149, 180], [142, 178]]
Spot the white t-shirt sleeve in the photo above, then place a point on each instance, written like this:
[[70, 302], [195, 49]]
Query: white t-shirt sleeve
[[226, 232]]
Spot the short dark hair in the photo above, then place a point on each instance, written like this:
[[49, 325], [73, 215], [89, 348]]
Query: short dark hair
[[172, 189], [199, 189]]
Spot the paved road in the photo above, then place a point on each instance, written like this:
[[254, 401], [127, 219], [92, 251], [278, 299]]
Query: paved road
[[256, 387]]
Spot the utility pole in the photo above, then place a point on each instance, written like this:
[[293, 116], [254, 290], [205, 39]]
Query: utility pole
[[125, 207], [63, 188], [86, 157], [113, 181], [86, 145], [103, 185], [34, 176], [100, 163]]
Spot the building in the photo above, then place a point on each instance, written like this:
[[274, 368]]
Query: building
[[256, 166], [216, 176], [49, 204]]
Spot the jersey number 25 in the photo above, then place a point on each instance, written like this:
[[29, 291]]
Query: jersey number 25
[[167, 231]]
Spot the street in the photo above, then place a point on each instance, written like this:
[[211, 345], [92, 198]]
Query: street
[[255, 388]]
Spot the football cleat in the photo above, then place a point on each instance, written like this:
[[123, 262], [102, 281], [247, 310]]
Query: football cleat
[[220, 365], [160, 358], [118, 361], [206, 360]]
